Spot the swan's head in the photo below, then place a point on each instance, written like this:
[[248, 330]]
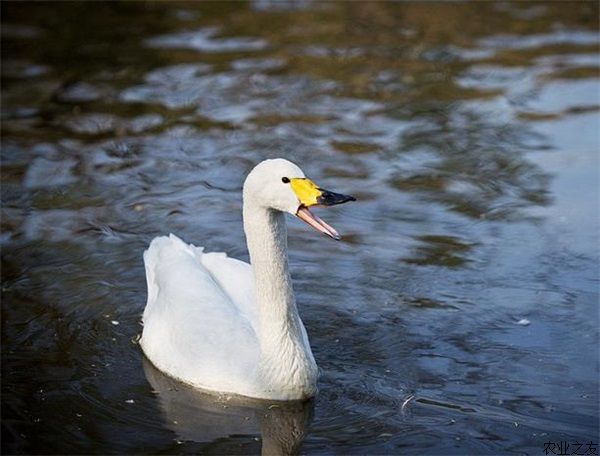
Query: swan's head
[[281, 185]]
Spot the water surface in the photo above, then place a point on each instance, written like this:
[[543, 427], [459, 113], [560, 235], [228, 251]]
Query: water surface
[[459, 316]]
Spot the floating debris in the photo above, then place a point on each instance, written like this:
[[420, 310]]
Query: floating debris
[[523, 322], [114, 322], [406, 401]]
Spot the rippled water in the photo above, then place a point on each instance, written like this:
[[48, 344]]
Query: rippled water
[[460, 315]]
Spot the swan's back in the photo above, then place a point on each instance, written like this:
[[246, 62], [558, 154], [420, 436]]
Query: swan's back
[[200, 318]]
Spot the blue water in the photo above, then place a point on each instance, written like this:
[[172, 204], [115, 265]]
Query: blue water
[[458, 316]]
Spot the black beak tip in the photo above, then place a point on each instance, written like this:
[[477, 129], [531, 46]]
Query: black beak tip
[[328, 198]]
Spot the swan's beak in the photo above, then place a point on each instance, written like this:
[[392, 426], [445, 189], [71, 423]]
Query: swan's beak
[[310, 194]]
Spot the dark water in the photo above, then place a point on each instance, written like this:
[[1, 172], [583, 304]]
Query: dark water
[[460, 315]]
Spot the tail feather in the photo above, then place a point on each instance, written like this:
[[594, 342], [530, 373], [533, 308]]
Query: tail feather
[[154, 255]]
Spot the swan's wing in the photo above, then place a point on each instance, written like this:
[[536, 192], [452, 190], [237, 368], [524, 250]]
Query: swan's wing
[[235, 278], [194, 329]]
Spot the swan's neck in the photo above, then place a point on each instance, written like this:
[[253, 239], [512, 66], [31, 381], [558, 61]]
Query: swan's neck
[[266, 235], [286, 357]]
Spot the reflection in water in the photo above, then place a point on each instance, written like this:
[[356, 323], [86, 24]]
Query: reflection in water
[[201, 417]]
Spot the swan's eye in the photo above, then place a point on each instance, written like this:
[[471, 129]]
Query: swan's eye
[[285, 180]]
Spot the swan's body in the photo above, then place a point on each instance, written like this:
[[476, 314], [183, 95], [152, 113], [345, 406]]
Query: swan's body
[[222, 325]]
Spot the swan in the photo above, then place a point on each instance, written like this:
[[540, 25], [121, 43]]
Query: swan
[[226, 326]]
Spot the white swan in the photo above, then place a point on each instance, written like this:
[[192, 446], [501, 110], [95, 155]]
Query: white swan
[[222, 325]]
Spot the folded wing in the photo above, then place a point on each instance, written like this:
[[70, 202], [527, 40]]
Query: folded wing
[[200, 319]]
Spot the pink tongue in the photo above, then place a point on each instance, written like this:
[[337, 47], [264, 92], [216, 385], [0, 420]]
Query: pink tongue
[[316, 222]]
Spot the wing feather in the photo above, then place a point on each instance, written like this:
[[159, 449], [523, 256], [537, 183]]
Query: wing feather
[[198, 322]]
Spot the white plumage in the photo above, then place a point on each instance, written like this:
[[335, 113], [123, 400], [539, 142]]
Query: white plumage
[[198, 322], [222, 325]]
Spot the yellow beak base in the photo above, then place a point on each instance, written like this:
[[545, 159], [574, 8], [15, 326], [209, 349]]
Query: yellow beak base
[[306, 190]]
